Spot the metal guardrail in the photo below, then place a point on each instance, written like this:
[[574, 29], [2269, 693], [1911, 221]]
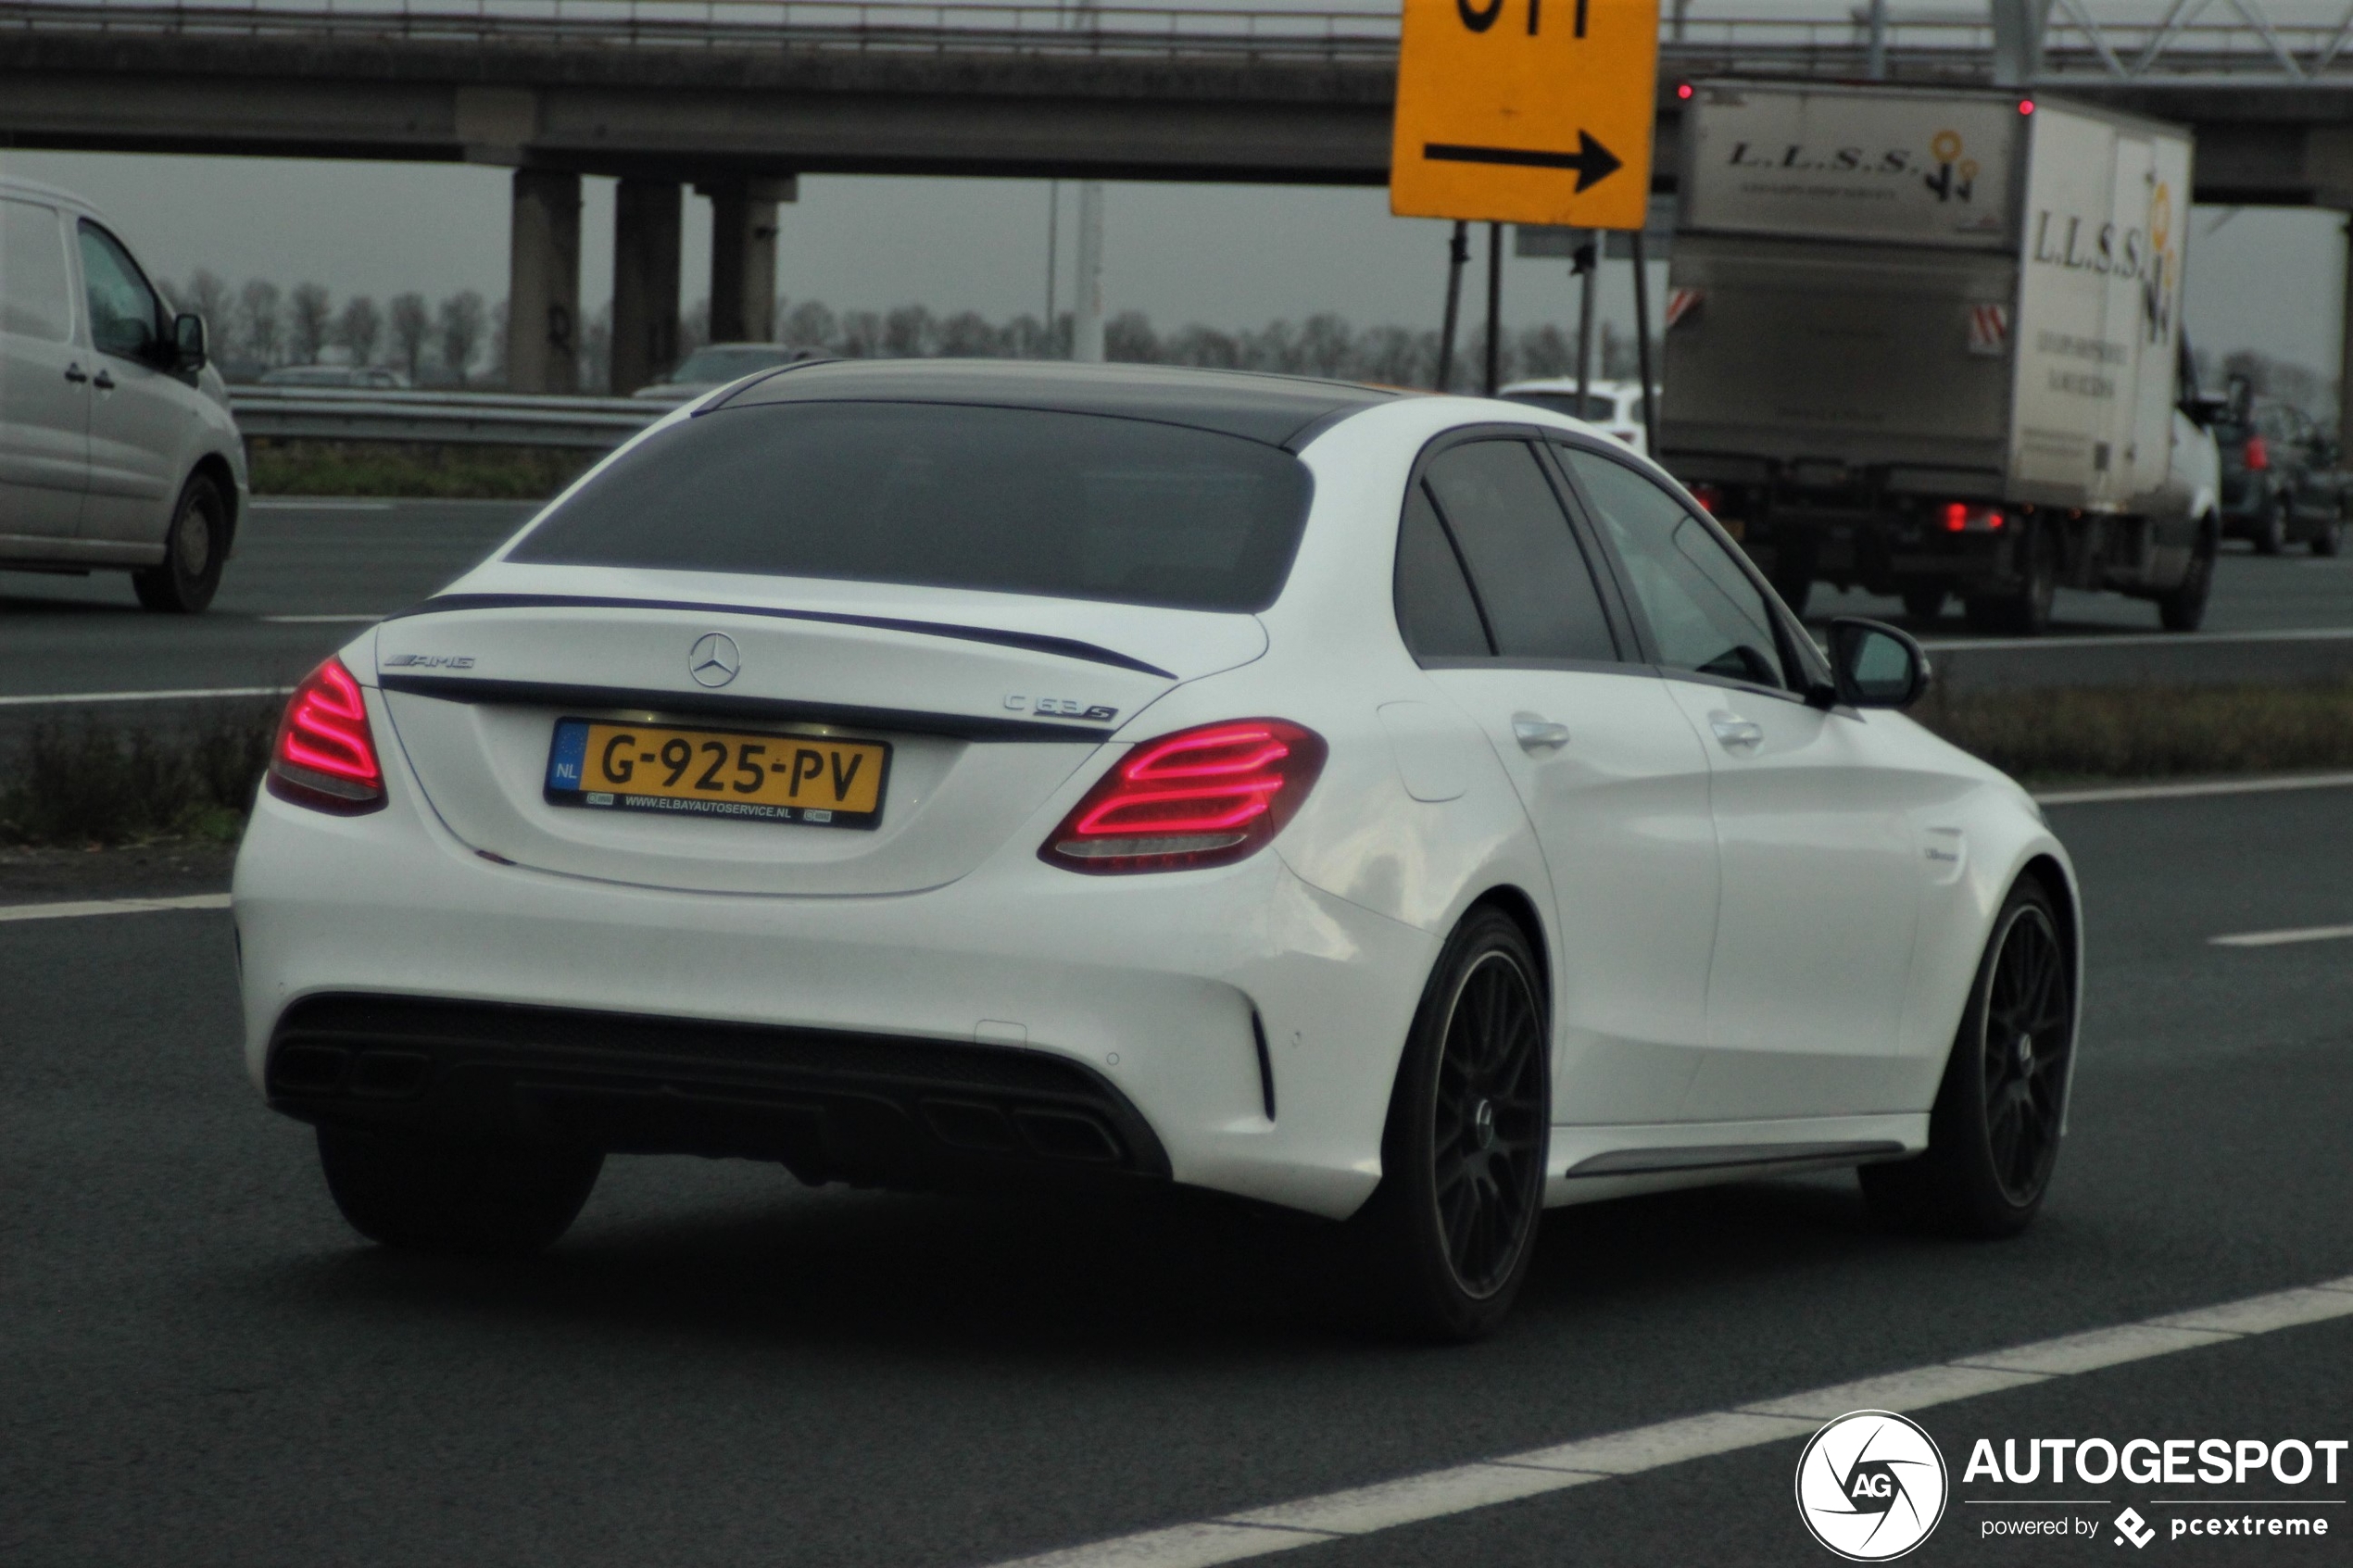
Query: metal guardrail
[[471, 418], [2159, 42]]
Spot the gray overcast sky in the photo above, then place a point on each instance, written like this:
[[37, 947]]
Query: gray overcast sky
[[1224, 256]]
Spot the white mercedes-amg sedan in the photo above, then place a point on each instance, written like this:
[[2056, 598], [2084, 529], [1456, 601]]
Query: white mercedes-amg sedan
[[1411, 811]]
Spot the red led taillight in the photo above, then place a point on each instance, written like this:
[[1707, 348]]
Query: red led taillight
[[326, 755], [1710, 499], [2256, 454], [1962, 518], [1204, 796]]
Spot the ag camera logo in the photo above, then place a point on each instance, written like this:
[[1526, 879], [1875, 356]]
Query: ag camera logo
[[1871, 1486]]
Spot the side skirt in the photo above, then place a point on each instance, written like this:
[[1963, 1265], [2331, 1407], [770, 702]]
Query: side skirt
[[1591, 1164]]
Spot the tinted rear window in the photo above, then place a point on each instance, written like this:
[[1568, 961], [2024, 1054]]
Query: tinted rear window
[[1013, 500]]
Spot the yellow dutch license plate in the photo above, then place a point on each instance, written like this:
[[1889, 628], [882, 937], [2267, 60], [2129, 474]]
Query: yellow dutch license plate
[[759, 776]]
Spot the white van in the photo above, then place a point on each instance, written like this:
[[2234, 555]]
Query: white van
[[117, 447]]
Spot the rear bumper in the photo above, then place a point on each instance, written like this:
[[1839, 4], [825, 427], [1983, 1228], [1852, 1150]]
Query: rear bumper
[[887, 1039], [828, 1105]]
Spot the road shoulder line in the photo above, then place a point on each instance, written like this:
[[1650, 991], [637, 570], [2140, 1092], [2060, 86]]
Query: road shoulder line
[[83, 909], [2263, 783], [1458, 1489]]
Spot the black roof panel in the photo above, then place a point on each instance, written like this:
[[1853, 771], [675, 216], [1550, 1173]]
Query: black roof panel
[[1272, 409]]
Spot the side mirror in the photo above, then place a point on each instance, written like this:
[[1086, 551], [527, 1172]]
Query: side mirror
[[189, 343], [1876, 665]]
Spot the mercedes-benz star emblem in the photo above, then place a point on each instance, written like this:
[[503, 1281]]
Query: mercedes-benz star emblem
[[714, 660]]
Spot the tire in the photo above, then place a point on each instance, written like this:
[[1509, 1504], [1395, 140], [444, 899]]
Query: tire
[[1993, 1136], [193, 551], [460, 1198], [2024, 609], [1446, 1238], [1923, 604], [2268, 529], [2183, 608], [2329, 538]]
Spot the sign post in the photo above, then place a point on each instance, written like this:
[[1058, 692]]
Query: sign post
[[1526, 111], [1508, 113]]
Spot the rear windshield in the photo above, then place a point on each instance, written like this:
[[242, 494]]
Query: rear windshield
[[945, 496]]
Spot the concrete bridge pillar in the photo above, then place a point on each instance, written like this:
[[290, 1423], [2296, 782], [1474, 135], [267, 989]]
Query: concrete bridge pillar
[[543, 283], [645, 281], [743, 256]]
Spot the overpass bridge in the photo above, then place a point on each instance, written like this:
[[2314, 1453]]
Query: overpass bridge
[[738, 97]]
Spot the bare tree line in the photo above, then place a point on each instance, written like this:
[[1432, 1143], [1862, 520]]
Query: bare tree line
[[460, 341], [258, 327]]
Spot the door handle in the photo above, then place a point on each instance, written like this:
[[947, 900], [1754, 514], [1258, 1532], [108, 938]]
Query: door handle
[[1735, 734], [74, 372], [104, 380], [1539, 735]]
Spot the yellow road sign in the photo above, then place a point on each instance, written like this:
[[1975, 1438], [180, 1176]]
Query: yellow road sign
[[1526, 111]]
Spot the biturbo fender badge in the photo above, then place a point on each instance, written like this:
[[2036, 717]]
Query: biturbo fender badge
[[1062, 707], [428, 661], [714, 660]]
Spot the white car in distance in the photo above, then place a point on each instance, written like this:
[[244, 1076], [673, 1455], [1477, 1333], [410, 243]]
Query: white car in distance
[[1614, 407], [1409, 810], [117, 447]]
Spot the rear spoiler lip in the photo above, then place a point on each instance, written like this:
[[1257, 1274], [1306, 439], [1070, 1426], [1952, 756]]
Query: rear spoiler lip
[[1036, 642], [589, 700]]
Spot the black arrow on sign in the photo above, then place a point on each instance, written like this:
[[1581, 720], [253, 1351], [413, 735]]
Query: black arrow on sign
[[1592, 160]]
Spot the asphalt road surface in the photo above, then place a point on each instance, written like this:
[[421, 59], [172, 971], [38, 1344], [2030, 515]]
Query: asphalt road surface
[[199, 1364], [307, 575]]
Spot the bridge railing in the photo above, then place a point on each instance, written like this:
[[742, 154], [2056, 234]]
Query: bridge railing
[[2158, 41]]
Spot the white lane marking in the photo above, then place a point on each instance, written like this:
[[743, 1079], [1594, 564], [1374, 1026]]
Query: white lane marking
[[61, 699], [1180, 1545], [2260, 784], [1436, 1493], [2138, 640], [1362, 1509], [318, 619], [316, 504], [1670, 1442], [2100, 1348], [1912, 1390], [2261, 1314], [112, 906], [2281, 938]]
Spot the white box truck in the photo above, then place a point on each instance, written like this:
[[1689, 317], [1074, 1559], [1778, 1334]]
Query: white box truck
[[1929, 342]]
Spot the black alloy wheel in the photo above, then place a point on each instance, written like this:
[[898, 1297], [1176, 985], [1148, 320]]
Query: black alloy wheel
[[1451, 1228], [194, 552], [1993, 1136], [2027, 1022]]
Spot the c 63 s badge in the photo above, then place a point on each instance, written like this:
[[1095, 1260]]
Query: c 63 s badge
[[1063, 708], [1871, 1486]]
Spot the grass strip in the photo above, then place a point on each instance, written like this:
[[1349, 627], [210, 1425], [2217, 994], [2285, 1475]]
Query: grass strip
[[2070, 734], [437, 471], [94, 782]]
